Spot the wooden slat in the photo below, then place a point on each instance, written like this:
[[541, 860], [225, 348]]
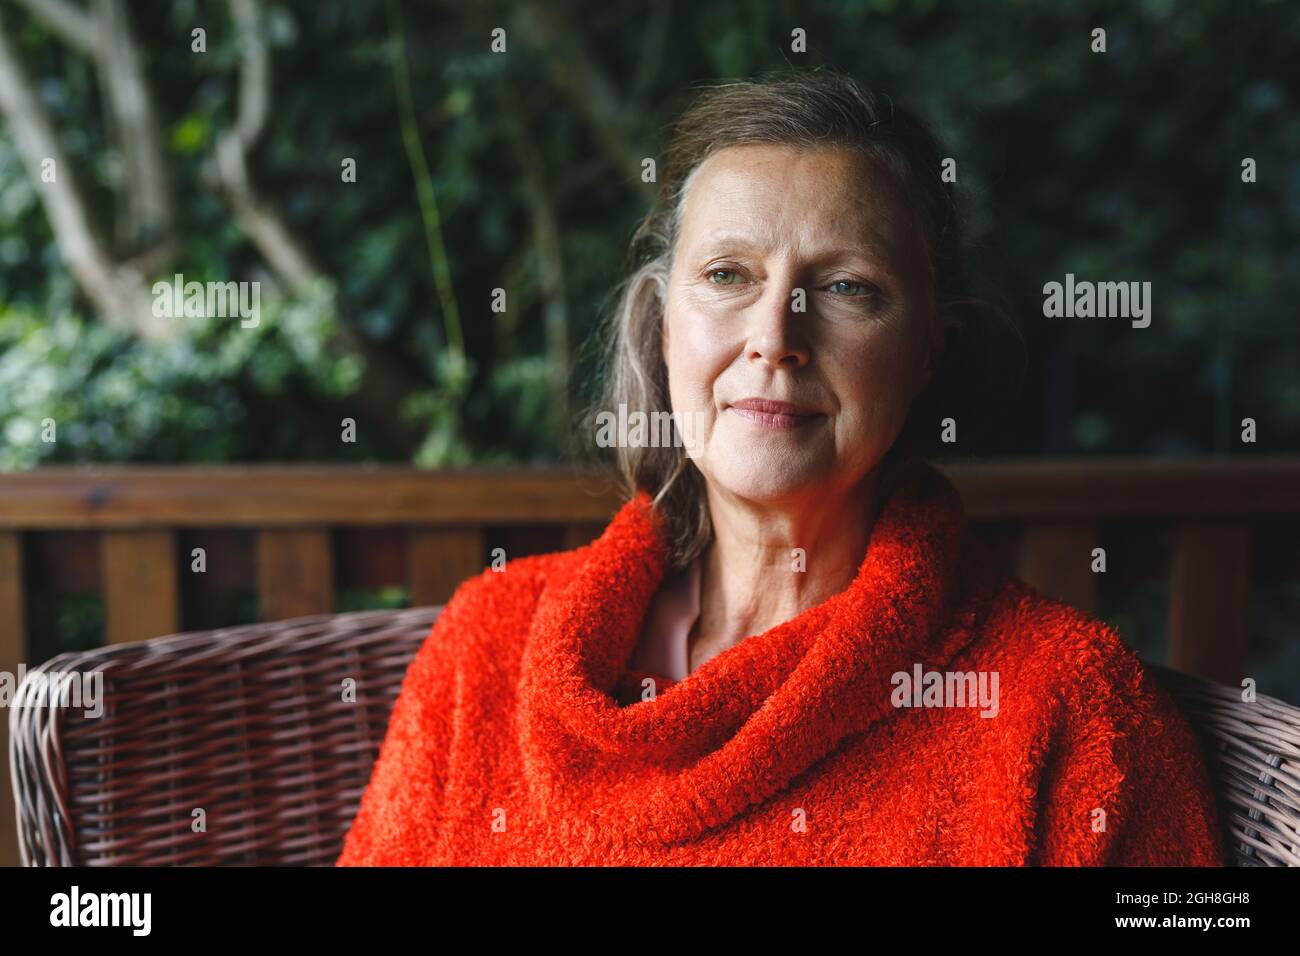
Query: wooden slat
[[1209, 593], [279, 496], [440, 559], [1057, 559], [13, 606], [295, 573], [12, 653], [141, 599], [1095, 488]]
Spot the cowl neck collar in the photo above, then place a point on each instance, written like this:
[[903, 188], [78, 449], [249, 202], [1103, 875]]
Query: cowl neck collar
[[750, 719]]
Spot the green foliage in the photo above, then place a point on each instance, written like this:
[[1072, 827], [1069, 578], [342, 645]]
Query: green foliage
[[366, 599], [1120, 166], [114, 397]]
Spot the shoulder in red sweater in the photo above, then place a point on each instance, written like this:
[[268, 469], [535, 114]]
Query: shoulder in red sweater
[[936, 712]]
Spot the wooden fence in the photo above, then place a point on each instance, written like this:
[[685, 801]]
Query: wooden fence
[[296, 534]]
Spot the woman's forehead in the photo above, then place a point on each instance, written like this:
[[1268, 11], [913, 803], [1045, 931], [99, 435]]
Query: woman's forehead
[[768, 197]]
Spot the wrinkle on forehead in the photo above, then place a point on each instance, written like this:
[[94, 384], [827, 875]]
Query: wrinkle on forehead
[[810, 202]]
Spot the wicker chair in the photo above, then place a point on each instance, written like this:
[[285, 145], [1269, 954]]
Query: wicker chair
[[246, 730]]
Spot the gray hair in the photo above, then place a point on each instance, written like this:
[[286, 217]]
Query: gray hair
[[801, 109]]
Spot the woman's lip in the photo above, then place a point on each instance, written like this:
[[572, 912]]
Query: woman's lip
[[779, 420], [772, 407]]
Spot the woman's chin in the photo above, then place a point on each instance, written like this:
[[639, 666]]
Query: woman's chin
[[771, 482]]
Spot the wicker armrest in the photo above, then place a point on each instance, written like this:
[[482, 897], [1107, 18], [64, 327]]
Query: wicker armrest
[[1253, 753], [232, 746]]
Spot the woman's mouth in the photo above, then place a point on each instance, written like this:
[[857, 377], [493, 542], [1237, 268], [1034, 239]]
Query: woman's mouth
[[773, 414]]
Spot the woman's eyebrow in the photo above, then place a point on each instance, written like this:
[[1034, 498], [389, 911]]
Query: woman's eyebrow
[[870, 245], [875, 255], [866, 250]]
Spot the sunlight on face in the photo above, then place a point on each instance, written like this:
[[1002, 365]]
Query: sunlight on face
[[761, 222]]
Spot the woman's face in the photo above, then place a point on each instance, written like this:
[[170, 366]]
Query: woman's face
[[799, 277]]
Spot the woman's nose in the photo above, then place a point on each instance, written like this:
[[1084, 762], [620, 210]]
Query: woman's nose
[[777, 333]]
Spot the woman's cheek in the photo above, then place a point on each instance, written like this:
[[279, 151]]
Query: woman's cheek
[[872, 394], [698, 356], [692, 379]]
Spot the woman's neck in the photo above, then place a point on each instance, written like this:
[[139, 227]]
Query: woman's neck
[[769, 564]]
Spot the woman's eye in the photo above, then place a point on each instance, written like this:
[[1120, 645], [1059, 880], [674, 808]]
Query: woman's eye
[[713, 276], [862, 289]]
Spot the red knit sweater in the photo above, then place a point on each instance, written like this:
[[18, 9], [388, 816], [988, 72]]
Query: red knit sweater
[[507, 746]]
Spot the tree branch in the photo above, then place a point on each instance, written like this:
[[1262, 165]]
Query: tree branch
[[424, 191], [118, 292], [102, 33], [387, 382], [652, 52], [230, 168], [549, 253], [254, 72], [586, 84], [150, 202], [71, 24]]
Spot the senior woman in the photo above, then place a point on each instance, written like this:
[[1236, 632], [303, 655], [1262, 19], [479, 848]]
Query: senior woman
[[786, 647]]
